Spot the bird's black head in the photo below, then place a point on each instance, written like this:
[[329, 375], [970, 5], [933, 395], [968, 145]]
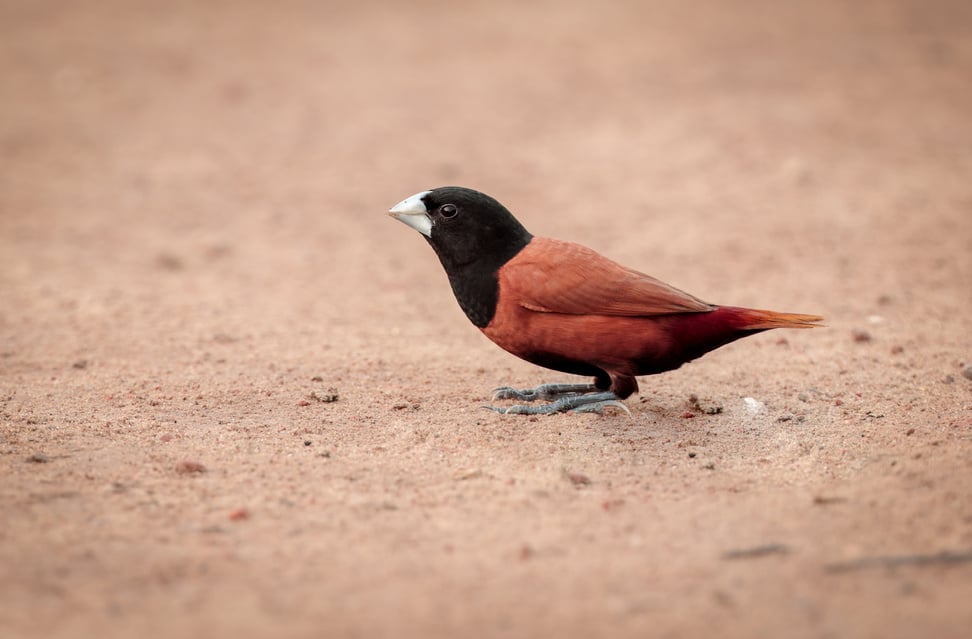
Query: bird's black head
[[473, 235], [463, 226]]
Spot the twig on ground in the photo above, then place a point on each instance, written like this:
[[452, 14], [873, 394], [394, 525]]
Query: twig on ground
[[944, 558], [757, 551]]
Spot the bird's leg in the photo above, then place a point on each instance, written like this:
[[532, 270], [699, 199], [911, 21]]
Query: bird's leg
[[575, 403], [548, 392]]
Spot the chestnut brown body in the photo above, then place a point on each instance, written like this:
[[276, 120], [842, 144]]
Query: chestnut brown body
[[564, 306]]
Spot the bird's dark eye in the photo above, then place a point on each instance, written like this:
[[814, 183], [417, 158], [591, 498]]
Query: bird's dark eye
[[448, 210]]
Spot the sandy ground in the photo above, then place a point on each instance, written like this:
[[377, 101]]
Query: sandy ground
[[195, 261]]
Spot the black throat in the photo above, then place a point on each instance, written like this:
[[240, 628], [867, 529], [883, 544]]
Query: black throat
[[476, 284], [474, 236]]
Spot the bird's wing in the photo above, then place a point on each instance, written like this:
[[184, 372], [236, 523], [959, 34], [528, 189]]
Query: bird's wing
[[553, 276]]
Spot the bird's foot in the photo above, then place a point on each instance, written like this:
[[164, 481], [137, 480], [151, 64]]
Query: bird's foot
[[574, 403], [547, 392]]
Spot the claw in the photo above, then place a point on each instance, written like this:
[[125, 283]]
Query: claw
[[495, 409], [598, 407], [508, 392]]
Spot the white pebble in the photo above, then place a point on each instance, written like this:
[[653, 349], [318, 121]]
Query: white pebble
[[754, 405]]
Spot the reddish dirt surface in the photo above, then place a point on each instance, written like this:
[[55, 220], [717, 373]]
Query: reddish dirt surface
[[193, 241]]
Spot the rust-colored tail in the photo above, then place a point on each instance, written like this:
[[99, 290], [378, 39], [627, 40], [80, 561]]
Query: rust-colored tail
[[691, 335], [756, 320]]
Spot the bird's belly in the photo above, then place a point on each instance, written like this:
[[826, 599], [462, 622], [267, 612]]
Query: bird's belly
[[583, 344]]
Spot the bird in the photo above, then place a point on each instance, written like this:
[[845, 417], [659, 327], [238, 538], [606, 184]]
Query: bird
[[565, 307]]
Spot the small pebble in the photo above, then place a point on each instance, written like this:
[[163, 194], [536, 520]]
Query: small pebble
[[188, 467], [326, 396], [803, 397], [823, 500], [38, 458], [897, 349], [860, 335], [239, 514], [694, 404], [754, 405], [307, 442], [967, 371], [168, 262], [578, 479]]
